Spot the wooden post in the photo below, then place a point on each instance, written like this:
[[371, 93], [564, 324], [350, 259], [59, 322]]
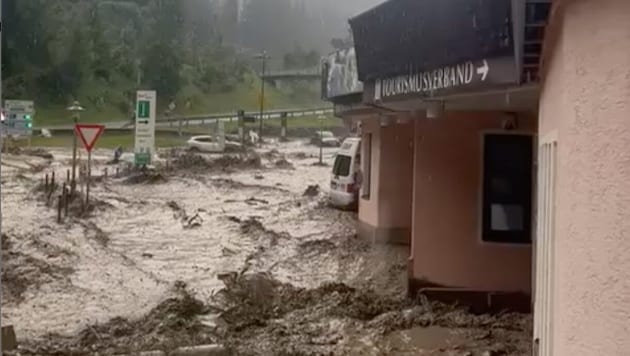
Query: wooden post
[[73, 185], [59, 206], [46, 183], [52, 181], [68, 176], [66, 200], [89, 174]]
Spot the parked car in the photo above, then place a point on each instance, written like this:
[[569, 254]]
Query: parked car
[[205, 144], [344, 184], [326, 138]]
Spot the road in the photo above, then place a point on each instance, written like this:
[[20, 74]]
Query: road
[[203, 119]]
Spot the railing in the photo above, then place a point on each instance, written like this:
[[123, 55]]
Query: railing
[[311, 73], [270, 114]]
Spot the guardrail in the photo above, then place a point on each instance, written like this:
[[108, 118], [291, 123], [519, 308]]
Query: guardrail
[[271, 114]]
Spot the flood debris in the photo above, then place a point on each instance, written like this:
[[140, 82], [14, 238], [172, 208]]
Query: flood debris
[[262, 316], [229, 183], [146, 176], [191, 161], [282, 163], [76, 203], [173, 323], [37, 152], [300, 156], [256, 201], [95, 233], [188, 221], [22, 272], [257, 309], [271, 154], [299, 282], [311, 191]]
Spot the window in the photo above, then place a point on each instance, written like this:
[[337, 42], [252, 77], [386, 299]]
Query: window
[[203, 139], [507, 188], [341, 168], [366, 166]]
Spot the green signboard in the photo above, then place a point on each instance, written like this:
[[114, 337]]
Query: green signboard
[[144, 109], [142, 159]]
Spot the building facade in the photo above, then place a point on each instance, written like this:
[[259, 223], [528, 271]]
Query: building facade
[[452, 144], [517, 118], [583, 296]]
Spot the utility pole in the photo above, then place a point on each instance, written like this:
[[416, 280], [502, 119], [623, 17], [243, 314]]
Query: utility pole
[[75, 109], [264, 57]]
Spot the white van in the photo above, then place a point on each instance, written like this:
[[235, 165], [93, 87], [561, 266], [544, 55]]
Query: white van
[[344, 188]]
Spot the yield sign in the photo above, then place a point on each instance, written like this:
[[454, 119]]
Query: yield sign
[[89, 134]]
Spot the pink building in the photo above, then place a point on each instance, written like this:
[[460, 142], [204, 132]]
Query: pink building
[[583, 282], [497, 140]]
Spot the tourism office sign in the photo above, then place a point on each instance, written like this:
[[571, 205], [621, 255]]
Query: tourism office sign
[[468, 76]]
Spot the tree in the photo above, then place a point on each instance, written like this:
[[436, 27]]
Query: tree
[[100, 50], [161, 68]]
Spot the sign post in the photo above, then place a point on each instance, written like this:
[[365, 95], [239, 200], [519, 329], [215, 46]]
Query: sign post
[[146, 104], [88, 134], [18, 120], [76, 110]]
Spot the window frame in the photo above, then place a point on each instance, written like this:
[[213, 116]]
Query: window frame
[[366, 165], [530, 223]]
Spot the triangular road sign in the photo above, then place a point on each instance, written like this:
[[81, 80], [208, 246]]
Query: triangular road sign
[[89, 134]]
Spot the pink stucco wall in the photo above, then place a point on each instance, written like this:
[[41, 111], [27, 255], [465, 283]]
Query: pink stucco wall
[[396, 175], [586, 101], [389, 205], [447, 248]]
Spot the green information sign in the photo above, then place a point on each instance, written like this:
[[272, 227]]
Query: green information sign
[[144, 109], [142, 159]]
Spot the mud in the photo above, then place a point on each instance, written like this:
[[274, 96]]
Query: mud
[[146, 177], [77, 205], [22, 272], [262, 316], [311, 191], [227, 163], [215, 254], [37, 152], [284, 164], [173, 323]]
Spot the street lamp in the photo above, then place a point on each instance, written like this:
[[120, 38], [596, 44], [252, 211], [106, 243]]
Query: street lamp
[[263, 57], [76, 110]]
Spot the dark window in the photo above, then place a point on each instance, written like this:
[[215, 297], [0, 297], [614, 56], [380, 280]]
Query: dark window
[[507, 188], [341, 168]]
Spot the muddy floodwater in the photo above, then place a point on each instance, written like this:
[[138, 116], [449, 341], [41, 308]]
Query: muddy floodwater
[[214, 249]]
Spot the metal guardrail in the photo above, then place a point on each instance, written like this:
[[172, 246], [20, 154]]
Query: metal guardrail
[[271, 114], [202, 119]]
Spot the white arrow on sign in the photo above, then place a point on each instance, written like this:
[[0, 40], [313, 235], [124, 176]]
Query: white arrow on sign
[[483, 70]]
